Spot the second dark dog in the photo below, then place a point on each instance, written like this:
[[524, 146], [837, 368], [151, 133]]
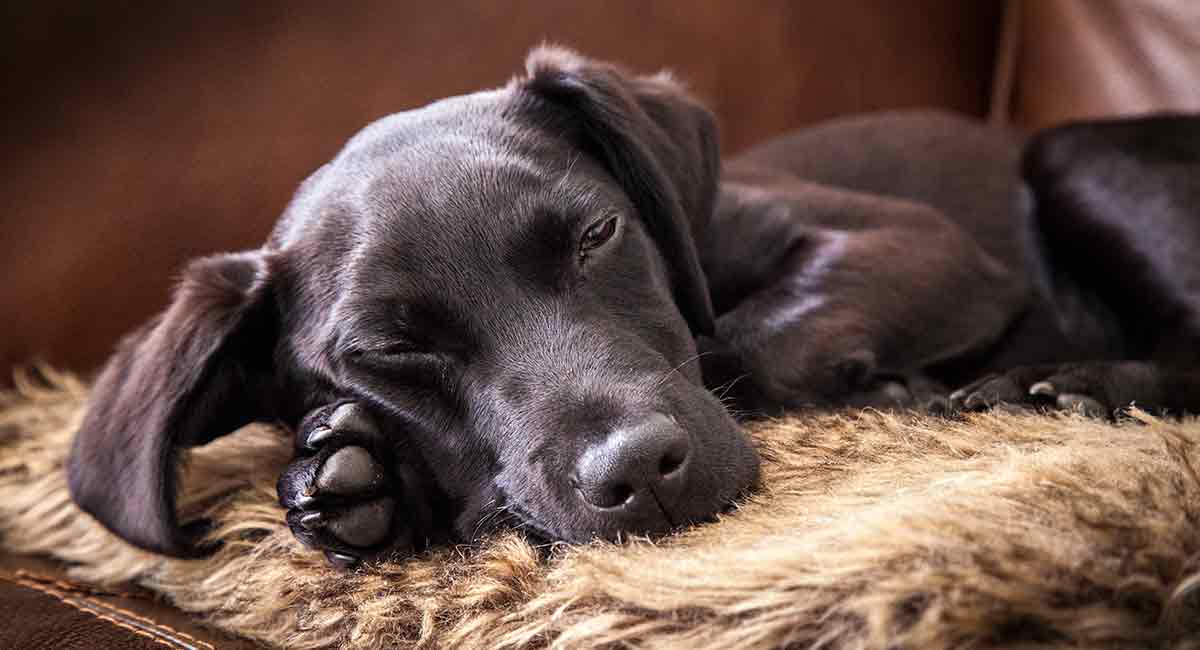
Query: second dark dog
[[508, 308]]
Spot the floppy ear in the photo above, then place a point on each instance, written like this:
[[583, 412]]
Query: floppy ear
[[197, 371], [658, 142]]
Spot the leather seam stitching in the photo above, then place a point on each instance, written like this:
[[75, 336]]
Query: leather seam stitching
[[74, 586], [61, 597], [162, 628], [84, 591]]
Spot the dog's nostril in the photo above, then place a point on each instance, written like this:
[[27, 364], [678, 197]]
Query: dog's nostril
[[607, 497], [620, 494], [670, 463]]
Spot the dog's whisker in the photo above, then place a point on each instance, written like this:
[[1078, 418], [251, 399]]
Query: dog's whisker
[[667, 375], [728, 386], [567, 173], [496, 512]]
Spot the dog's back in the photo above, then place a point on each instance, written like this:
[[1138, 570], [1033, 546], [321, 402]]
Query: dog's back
[[951, 162]]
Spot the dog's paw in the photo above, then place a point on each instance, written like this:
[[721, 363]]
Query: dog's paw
[[907, 392], [1094, 389], [344, 491]]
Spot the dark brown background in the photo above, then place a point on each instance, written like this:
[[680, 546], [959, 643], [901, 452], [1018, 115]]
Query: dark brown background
[[138, 137]]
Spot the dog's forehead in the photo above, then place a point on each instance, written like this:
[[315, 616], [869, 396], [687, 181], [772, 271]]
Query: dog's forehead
[[475, 160], [446, 204], [456, 196], [431, 155]]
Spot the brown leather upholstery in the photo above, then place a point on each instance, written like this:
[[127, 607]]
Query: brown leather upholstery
[[1079, 59], [143, 138], [40, 608]]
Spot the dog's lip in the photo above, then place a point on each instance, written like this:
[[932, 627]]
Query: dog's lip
[[727, 502], [529, 525]]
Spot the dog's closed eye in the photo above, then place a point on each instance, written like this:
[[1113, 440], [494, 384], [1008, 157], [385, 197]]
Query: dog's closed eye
[[598, 234], [403, 347], [401, 353], [413, 361], [403, 377]]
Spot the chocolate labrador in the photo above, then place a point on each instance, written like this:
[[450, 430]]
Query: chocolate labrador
[[524, 308]]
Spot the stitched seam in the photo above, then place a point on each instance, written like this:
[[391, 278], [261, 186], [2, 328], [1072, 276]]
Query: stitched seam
[[75, 587], [163, 630], [85, 590], [62, 598], [152, 622], [121, 624], [139, 623]]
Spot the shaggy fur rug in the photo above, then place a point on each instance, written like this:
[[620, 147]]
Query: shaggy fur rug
[[872, 530]]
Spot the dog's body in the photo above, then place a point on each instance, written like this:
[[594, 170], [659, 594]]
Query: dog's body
[[908, 219], [495, 310]]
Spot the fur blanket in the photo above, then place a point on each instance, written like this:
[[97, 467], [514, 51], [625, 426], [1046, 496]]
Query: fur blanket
[[873, 530]]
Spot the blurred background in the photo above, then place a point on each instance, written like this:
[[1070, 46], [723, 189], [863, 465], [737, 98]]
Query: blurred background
[[137, 136]]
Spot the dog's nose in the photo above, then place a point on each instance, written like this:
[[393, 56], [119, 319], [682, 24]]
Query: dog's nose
[[639, 470]]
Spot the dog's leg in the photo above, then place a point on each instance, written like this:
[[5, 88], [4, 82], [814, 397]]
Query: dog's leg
[[1096, 389], [348, 492], [828, 297]]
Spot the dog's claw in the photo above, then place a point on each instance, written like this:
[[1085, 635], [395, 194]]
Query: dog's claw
[[303, 501], [341, 491], [1181, 614], [341, 560], [311, 520], [318, 437], [975, 401], [350, 416], [1043, 388]]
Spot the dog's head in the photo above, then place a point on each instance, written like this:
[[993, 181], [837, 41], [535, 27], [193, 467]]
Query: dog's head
[[510, 274]]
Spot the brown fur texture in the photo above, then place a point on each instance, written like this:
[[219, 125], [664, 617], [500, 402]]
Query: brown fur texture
[[872, 530]]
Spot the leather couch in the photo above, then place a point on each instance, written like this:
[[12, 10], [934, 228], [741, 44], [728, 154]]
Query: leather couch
[[145, 137]]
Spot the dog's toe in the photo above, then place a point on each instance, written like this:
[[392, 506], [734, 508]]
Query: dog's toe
[[360, 529], [350, 471], [987, 393], [344, 420], [1083, 404], [937, 405], [366, 524]]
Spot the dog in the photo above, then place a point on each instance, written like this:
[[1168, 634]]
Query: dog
[[539, 306]]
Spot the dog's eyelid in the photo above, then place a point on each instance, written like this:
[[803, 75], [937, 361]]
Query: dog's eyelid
[[394, 347], [357, 347], [599, 232], [395, 356]]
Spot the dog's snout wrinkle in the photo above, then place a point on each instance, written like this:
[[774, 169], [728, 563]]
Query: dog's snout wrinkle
[[666, 513]]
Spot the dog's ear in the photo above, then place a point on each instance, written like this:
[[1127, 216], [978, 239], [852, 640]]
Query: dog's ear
[[197, 371], [659, 143]]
